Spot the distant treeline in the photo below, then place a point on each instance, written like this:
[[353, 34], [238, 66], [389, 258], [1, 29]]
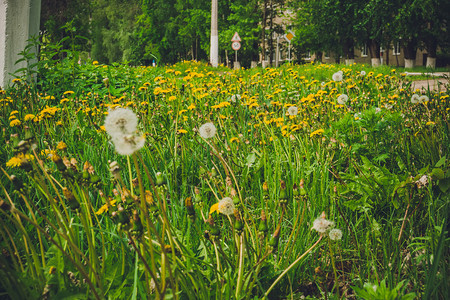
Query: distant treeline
[[166, 31]]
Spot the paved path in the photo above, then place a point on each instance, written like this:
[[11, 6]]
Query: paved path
[[437, 82]]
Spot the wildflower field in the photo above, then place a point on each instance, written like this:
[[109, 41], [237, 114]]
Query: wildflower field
[[189, 182]]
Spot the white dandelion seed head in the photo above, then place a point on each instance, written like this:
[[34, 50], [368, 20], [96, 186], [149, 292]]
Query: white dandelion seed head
[[363, 73], [322, 225], [388, 106], [422, 182], [120, 121], [293, 110], [226, 206], [235, 97], [377, 110], [342, 99], [335, 234], [128, 144], [337, 76], [424, 99], [207, 130], [415, 99]]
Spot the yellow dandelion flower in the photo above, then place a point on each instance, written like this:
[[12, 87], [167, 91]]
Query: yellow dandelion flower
[[47, 152], [61, 146], [191, 107], [317, 132], [182, 131], [430, 123], [157, 91], [95, 62], [18, 160], [172, 98], [15, 123], [68, 92], [29, 117], [149, 197], [214, 208], [105, 207], [14, 162]]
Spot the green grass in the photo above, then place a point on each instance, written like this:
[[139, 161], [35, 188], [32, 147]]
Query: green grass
[[377, 166]]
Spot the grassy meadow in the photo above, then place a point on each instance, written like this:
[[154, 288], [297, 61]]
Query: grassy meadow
[[300, 182]]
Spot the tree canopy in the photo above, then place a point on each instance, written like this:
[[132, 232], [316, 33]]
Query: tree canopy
[[167, 31]]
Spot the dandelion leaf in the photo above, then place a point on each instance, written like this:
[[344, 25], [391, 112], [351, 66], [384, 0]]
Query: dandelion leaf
[[441, 162], [437, 174], [444, 185], [251, 158]]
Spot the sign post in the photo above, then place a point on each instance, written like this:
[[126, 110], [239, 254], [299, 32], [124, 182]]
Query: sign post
[[289, 36], [236, 45]]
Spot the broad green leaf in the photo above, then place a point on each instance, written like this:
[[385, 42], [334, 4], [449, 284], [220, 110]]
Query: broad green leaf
[[251, 159], [441, 162], [444, 185], [437, 174]]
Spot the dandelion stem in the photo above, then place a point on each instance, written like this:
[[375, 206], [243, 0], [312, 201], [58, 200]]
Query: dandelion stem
[[144, 261], [241, 268], [333, 264], [291, 266], [295, 229], [130, 174]]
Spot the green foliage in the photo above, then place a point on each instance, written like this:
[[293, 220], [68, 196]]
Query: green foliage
[[77, 223], [382, 292]]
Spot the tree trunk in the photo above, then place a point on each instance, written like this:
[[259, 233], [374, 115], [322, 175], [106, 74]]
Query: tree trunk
[[349, 51], [319, 55], [410, 50], [386, 51], [337, 57], [374, 50], [431, 46]]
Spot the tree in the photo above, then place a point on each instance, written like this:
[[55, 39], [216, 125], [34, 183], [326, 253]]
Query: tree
[[244, 18], [57, 14], [328, 25], [377, 26], [113, 27], [435, 27]]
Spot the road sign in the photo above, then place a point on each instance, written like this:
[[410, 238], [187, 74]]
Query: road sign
[[289, 36], [236, 46], [236, 37]]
